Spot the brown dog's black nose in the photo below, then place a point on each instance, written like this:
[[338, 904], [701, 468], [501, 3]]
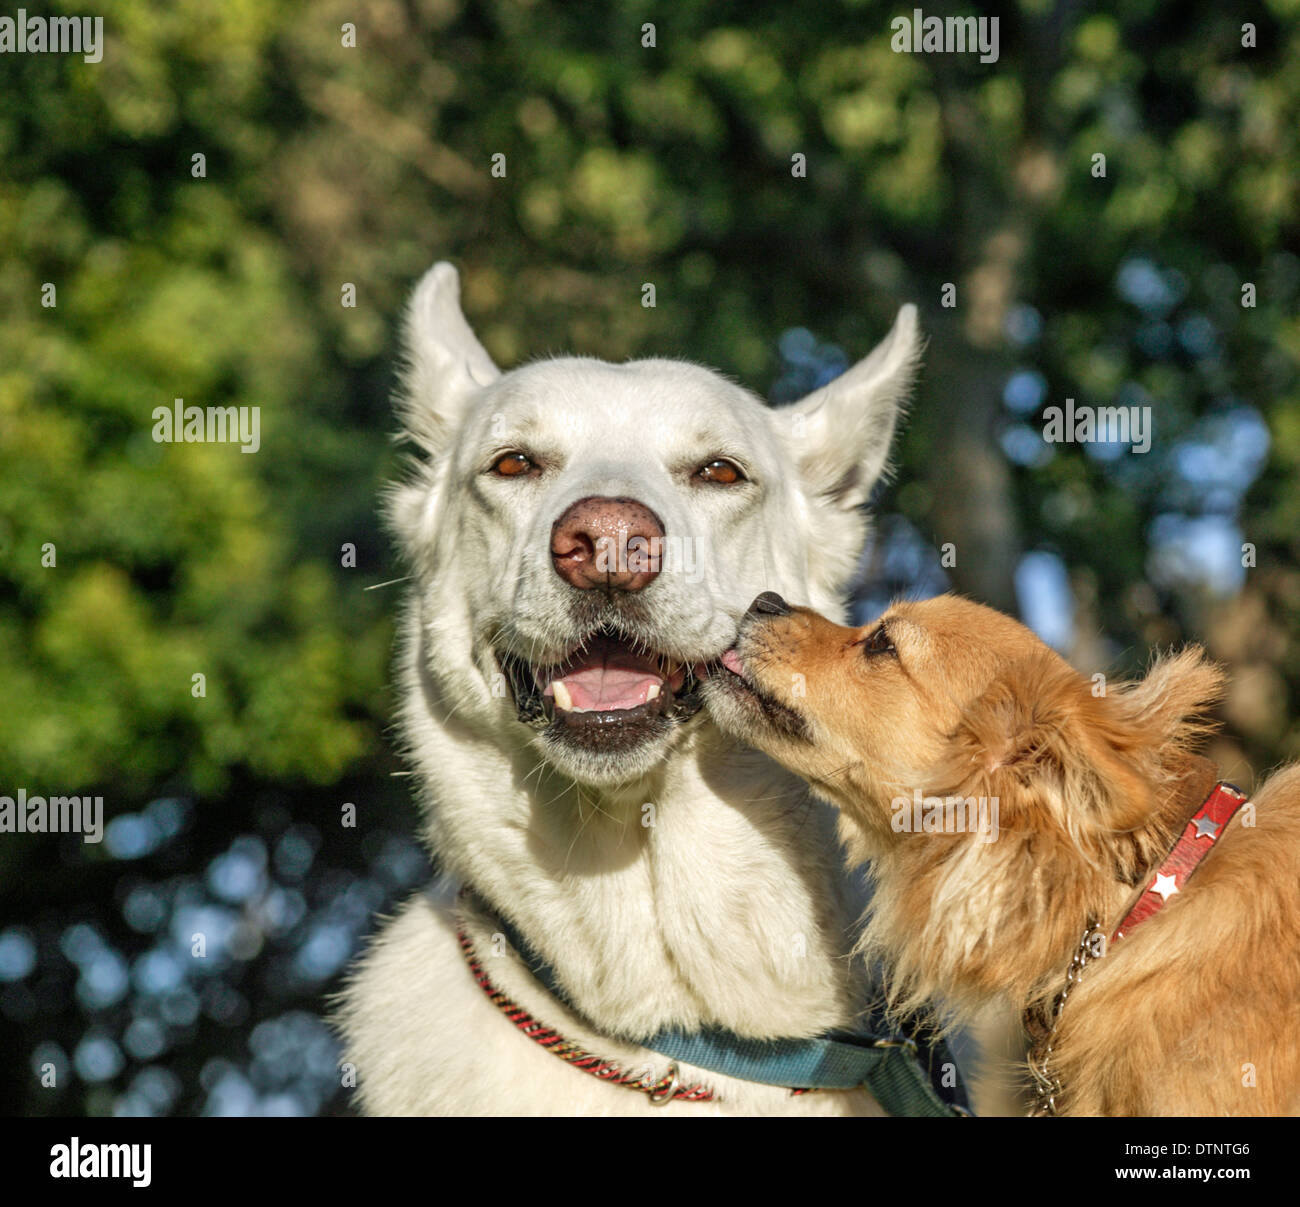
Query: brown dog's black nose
[[769, 604]]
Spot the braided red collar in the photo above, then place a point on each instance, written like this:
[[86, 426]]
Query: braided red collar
[[668, 1088], [1202, 831]]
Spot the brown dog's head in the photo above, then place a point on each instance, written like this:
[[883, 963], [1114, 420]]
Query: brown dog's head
[[1002, 796], [947, 698]]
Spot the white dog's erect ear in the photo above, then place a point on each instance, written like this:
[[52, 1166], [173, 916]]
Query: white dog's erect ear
[[445, 363], [842, 432]]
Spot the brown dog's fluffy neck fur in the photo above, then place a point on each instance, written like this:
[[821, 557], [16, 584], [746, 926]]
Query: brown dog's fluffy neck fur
[[1092, 791]]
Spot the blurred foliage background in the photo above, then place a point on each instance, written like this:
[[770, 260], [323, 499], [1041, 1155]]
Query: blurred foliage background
[[328, 164]]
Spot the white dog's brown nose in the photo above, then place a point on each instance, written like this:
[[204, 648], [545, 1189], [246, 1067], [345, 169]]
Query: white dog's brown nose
[[610, 543]]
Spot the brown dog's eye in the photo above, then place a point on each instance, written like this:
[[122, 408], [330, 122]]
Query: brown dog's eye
[[877, 642], [721, 472], [513, 465]]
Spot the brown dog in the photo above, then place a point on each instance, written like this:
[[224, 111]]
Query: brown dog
[[1009, 804]]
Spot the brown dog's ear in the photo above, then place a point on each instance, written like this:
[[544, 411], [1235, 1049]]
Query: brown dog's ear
[[1168, 706], [1025, 731], [1042, 734]]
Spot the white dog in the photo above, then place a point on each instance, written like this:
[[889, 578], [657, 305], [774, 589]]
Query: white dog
[[583, 539]]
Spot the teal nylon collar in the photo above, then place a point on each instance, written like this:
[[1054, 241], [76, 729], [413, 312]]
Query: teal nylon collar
[[908, 1075], [888, 1066]]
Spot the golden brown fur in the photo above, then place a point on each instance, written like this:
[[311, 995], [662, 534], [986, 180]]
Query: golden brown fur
[[1197, 1011]]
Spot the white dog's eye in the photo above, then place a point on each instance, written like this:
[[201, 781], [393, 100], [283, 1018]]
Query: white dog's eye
[[721, 472], [878, 642], [513, 465]]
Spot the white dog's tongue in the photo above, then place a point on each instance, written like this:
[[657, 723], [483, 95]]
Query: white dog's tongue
[[607, 676]]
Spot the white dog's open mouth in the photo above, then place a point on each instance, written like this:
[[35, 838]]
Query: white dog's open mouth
[[606, 693]]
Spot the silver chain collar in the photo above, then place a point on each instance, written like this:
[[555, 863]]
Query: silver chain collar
[[1047, 1084]]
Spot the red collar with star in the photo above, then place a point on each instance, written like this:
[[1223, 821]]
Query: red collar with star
[[1203, 830]]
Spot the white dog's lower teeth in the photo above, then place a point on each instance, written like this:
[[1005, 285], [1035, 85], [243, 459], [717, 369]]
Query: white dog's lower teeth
[[562, 697], [652, 693]]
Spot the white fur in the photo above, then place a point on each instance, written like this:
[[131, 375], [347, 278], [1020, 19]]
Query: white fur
[[728, 908]]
